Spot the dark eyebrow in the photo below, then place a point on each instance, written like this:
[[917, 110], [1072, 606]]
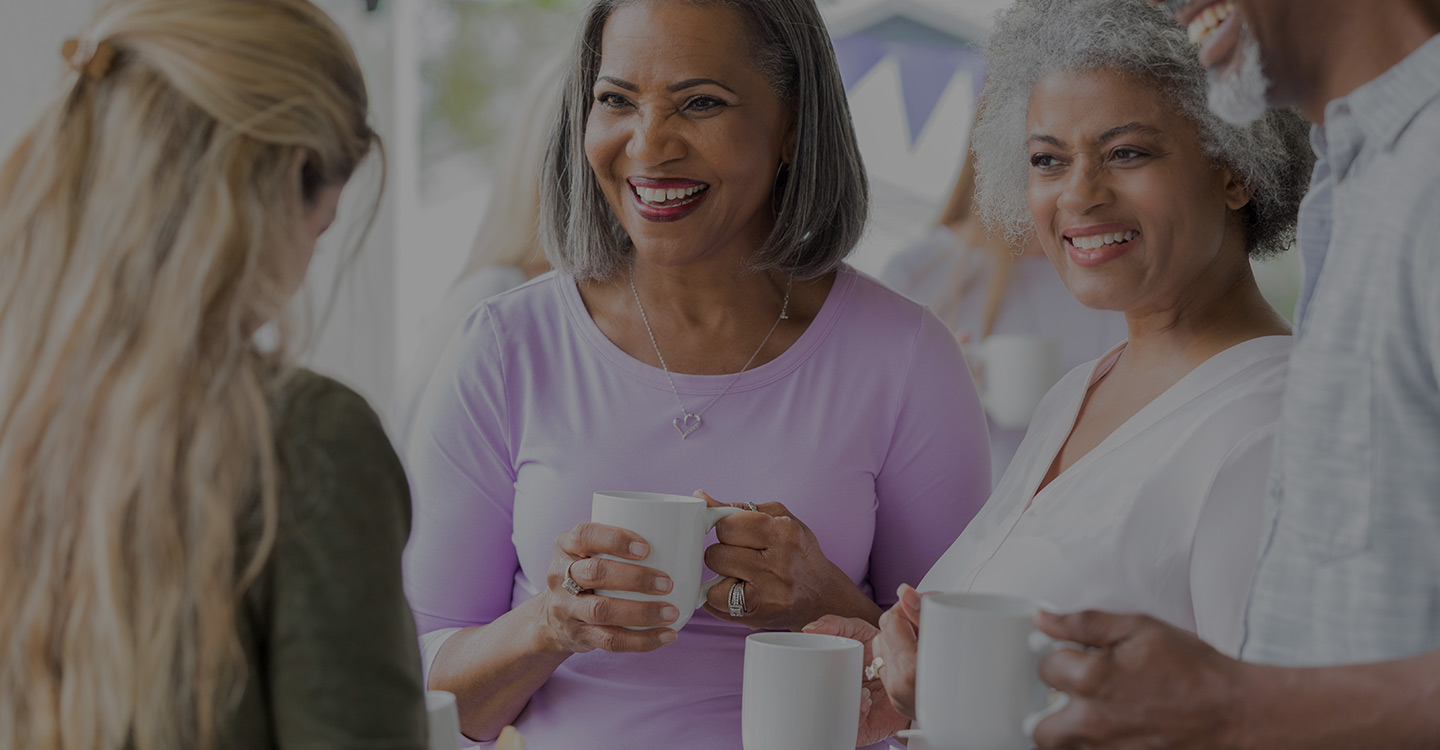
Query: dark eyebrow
[[681, 86], [1050, 139], [1129, 127], [628, 86], [693, 82]]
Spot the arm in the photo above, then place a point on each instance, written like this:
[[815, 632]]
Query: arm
[[341, 666], [460, 566], [1153, 685], [937, 475]]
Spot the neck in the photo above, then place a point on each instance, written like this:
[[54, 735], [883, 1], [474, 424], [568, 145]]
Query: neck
[[1203, 324], [1357, 43], [706, 295]]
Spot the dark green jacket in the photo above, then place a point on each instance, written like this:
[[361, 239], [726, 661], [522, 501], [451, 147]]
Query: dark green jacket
[[329, 640]]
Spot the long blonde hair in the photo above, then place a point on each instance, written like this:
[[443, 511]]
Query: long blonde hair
[[141, 220]]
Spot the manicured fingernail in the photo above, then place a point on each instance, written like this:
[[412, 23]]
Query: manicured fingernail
[[669, 613], [668, 636], [809, 627], [699, 493], [901, 591], [663, 585], [640, 549], [865, 693]]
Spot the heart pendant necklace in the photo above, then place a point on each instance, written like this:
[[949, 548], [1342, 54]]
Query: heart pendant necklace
[[688, 421]]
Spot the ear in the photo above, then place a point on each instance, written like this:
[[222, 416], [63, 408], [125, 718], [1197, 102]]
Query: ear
[[1237, 195], [792, 137]]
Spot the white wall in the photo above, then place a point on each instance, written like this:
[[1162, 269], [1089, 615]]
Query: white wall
[[357, 342], [31, 32]]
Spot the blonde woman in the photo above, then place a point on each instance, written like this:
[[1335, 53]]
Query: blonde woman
[[507, 250], [973, 280], [199, 545]]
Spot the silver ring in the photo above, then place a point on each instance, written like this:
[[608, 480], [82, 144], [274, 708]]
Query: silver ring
[[749, 506], [873, 670], [737, 599], [569, 583]]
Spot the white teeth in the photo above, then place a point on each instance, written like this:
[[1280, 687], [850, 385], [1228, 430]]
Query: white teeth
[[1205, 24], [656, 196], [1101, 240]]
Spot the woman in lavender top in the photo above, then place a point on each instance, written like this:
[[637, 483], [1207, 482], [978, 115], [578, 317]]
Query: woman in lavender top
[[701, 191]]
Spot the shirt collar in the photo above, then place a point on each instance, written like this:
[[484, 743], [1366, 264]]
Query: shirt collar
[[1384, 106]]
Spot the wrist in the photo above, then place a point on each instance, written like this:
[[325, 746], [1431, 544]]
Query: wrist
[[541, 635], [1253, 687]]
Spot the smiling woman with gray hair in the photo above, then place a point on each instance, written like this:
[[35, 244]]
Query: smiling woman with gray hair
[[1135, 488], [702, 190]]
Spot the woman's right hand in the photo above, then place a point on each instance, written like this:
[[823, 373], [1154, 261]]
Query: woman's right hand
[[577, 623], [898, 644]]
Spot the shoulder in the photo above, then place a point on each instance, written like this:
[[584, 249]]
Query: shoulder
[[330, 442], [1244, 402], [869, 300]]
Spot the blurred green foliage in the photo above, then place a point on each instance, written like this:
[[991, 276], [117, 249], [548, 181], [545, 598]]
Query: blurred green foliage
[[477, 56]]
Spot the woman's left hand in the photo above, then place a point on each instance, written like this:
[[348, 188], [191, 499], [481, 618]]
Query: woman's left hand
[[878, 718], [787, 580]]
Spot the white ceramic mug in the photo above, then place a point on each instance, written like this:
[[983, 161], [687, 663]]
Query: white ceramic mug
[[801, 692], [675, 527], [444, 720], [1018, 371], [977, 685]]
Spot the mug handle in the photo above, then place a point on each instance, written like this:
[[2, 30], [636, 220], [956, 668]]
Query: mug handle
[[1044, 645], [712, 517]]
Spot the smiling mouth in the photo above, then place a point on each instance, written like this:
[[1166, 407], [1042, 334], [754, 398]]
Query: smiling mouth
[[1098, 241], [1204, 24], [668, 197]]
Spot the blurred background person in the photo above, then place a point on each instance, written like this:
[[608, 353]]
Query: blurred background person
[[506, 252], [201, 544], [979, 285]]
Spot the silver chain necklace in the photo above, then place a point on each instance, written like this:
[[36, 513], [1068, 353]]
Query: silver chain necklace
[[688, 421]]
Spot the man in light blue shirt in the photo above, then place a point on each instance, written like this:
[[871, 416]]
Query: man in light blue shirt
[[1343, 630]]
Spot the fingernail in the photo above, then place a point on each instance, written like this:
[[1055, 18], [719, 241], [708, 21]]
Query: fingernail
[[640, 549], [865, 693], [668, 636], [669, 613], [901, 591], [699, 493], [808, 628], [663, 585]]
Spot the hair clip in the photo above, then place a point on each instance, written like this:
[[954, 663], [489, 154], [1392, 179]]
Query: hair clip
[[90, 58]]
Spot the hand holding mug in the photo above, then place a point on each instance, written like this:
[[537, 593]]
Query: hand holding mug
[[580, 620], [785, 578], [898, 644], [1144, 682]]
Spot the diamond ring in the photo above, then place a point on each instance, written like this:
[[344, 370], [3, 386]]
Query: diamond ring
[[569, 583], [749, 506], [873, 670], [737, 599]]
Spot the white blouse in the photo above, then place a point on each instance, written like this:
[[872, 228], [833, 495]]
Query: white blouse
[[1163, 517]]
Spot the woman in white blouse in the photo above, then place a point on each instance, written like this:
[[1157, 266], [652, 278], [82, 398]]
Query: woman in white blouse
[[1135, 487]]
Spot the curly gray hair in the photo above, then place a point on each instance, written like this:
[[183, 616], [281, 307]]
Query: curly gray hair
[[1271, 157], [823, 198]]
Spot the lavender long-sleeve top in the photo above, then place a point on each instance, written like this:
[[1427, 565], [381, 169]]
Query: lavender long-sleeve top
[[868, 428]]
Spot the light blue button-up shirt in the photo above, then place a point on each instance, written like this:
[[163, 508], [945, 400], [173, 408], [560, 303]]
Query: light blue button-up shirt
[[1350, 570]]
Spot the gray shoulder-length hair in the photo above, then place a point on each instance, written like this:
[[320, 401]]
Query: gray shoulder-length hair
[[1271, 157], [822, 200]]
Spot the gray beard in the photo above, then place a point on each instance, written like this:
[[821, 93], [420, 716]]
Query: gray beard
[[1239, 98]]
